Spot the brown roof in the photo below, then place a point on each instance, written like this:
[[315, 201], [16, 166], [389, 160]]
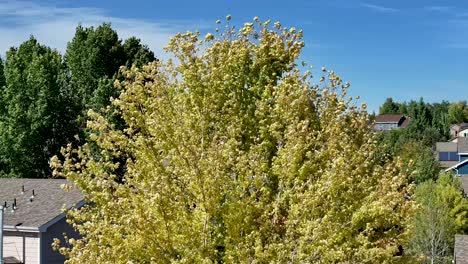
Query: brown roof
[[461, 249], [388, 118], [460, 126], [406, 122], [46, 205]]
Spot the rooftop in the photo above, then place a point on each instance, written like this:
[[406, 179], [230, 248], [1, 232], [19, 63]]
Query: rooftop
[[462, 145], [48, 201], [447, 146], [388, 118], [461, 249], [459, 126], [464, 183]]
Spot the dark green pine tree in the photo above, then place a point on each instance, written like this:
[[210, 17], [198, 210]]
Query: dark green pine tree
[[35, 120], [389, 107]]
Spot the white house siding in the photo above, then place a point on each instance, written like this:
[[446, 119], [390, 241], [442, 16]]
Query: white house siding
[[23, 246], [463, 133]]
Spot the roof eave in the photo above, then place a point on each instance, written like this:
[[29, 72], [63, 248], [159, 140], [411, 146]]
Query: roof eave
[[43, 228], [21, 228], [456, 165]]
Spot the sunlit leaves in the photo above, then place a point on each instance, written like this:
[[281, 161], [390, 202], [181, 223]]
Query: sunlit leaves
[[233, 155]]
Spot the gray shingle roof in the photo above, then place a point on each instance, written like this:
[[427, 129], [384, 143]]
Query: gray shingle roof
[[446, 146], [464, 183], [461, 249], [462, 144], [47, 204]]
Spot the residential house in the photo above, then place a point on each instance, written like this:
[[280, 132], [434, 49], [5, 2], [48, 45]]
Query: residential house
[[461, 168], [33, 217], [454, 155], [459, 130], [460, 254], [390, 122]]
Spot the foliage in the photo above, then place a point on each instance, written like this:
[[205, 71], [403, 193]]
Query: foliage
[[420, 159], [2, 75], [233, 155], [33, 120], [443, 213], [458, 113], [93, 59], [389, 107]]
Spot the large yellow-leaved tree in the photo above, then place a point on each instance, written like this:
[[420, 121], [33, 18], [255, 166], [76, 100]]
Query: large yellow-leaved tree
[[232, 153]]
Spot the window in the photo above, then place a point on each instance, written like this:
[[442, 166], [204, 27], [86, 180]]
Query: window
[[448, 156]]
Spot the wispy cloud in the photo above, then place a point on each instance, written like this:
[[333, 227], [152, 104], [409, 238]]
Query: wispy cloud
[[55, 26], [379, 8], [440, 9]]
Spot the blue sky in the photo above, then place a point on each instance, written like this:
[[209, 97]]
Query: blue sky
[[400, 49]]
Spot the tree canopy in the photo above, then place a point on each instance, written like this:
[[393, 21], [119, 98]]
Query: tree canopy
[[93, 59], [233, 155], [443, 212], [33, 115], [44, 97]]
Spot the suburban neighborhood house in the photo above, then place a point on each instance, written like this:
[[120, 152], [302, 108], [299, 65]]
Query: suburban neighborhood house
[[390, 122], [33, 217], [459, 130], [454, 156]]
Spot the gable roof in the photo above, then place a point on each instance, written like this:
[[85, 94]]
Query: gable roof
[[459, 126], [406, 122], [388, 118], [461, 249], [45, 207]]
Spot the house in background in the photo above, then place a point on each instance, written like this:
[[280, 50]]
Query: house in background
[[33, 217], [447, 154], [455, 156], [390, 122], [459, 130]]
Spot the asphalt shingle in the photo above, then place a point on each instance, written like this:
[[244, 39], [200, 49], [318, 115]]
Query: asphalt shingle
[[461, 249], [48, 202], [462, 144]]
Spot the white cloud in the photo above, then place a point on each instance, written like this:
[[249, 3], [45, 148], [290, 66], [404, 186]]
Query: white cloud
[[379, 8], [55, 26], [440, 9]]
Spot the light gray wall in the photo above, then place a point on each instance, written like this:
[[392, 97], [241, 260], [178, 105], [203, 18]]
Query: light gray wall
[[22, 246]]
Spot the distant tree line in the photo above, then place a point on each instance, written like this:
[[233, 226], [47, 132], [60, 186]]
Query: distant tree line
[[44, 96], [443, 210]]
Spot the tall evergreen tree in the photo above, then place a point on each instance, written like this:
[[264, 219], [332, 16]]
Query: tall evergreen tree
[[35, 111], [389, 107]]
